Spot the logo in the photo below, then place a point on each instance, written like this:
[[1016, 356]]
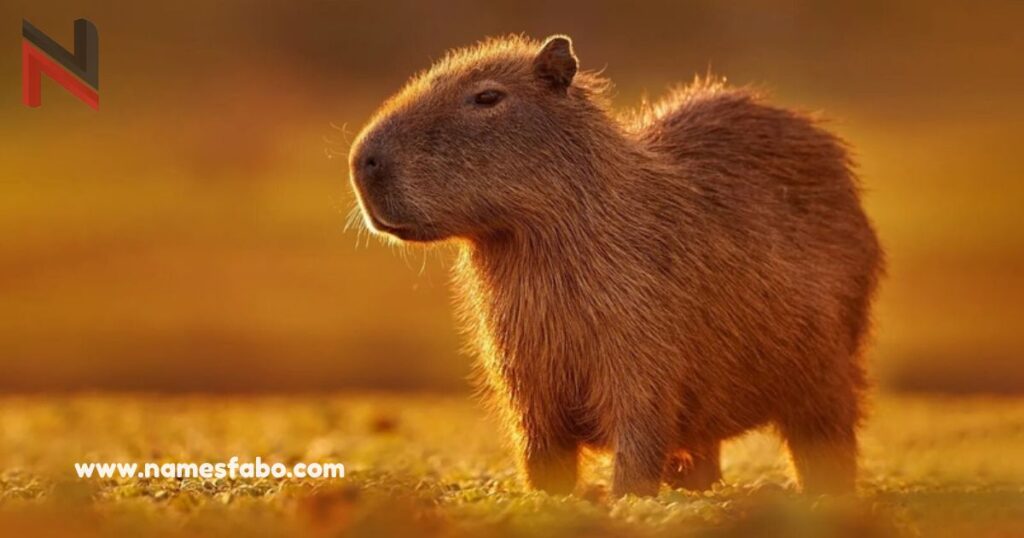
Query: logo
[[78, 73]]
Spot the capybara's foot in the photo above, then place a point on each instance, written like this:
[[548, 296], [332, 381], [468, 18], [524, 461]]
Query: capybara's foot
[[824, 467], [553, 470], [635, 485], [825, 458], [696, 469], [636, 474]]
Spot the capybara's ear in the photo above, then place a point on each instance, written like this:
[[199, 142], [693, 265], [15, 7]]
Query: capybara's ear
[[556, 63]]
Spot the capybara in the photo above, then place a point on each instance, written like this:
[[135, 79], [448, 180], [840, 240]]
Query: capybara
[[650, 284]]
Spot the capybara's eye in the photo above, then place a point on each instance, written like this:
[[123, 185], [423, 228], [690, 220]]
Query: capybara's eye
[[488, 98]]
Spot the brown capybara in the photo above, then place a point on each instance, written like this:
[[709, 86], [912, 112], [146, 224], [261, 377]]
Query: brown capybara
[[652, 284]]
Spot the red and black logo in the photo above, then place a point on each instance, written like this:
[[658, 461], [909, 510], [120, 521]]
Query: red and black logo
[[79, 73]]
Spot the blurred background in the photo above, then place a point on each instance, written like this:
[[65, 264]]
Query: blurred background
[[189, 236]]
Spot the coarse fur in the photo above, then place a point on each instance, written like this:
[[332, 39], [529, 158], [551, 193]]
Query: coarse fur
[[650, 285]]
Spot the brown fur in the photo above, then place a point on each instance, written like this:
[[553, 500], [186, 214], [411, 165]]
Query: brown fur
[[651, 285]]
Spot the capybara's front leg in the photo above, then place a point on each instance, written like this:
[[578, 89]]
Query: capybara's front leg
[[550, 457], [640, 451], [552, 469]]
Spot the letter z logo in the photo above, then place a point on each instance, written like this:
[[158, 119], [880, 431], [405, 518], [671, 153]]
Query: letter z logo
[[78, 73]]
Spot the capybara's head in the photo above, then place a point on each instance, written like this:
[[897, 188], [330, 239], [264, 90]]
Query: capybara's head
[[480, 143]]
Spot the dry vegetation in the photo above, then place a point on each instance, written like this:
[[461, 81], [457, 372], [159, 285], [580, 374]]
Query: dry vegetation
[[436, 466]]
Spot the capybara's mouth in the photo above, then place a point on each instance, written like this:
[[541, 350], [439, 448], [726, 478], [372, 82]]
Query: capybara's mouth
[[405, 232], [388, 224]]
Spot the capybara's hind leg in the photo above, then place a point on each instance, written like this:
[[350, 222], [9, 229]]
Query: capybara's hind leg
[[695, 469], [552, 466], [824, 451]]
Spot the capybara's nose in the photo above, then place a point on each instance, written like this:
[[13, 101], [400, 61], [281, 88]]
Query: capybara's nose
[[370, 166]]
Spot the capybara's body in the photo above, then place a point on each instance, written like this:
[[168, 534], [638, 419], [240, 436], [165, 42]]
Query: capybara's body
[[651, 286]]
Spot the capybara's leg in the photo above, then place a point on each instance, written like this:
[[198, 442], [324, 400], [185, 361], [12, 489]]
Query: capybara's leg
[[824, 451], [695, 469], [640, 453], [551, 462]]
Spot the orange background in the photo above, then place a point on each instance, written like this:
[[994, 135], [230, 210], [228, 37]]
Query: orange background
[[189, 235]]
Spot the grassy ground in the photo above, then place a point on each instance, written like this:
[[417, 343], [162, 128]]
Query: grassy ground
[[437, 466]]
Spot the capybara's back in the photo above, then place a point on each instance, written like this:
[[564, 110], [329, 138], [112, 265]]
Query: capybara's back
[[789, 263], [652, 286]]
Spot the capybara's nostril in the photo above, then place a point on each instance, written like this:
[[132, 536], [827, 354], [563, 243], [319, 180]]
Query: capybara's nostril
[[371, 167]]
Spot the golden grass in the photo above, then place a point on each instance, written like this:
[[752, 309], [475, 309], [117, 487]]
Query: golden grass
[[436, 466]]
